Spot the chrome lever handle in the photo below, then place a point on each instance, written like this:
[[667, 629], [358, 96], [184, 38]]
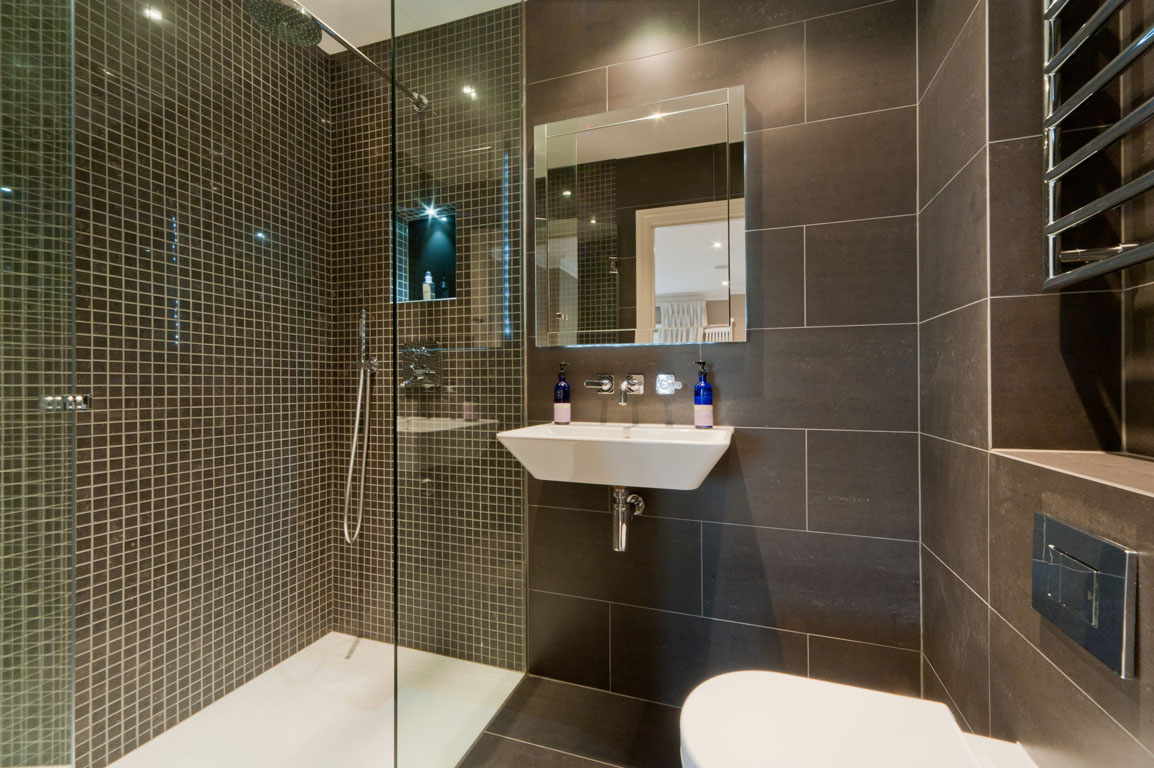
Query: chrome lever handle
[[603, 384]]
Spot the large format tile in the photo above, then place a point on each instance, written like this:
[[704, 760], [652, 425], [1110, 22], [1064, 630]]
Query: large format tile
[[1054, 371], [864, 483], [1033, 703], [568, 639], [955, 508], [725, 18], [953, 376], [567, 36], [775, 277], [570, 552], [955, 640], [1018, 490], [770, 64], [1017, 249], [595, 724], [829, 584], [563, 98], [498, 752], [952, 114], [857, 167], [953, 238], [861, 61], [940, 22], [760, 480], [862, 272], [1015, 70], [933, 690], [853, 377], [1139, 370], [866, 665], [663, 656]]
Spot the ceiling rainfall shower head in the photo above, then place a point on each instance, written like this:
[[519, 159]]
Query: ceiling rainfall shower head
[[292, 22]]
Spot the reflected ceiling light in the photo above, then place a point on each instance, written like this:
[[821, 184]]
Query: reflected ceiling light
[[153, 14], [657, 115], [470, 91], [7, 190], [430, 211], [725, 282], [716, 244], [566, 193], [593, 220], [260, 235]]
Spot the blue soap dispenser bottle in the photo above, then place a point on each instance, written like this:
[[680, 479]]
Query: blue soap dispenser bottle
[[561, 407], [702, 399]]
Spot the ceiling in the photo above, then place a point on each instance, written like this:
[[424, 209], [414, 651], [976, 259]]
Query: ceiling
[[367, 21], [687, 263]]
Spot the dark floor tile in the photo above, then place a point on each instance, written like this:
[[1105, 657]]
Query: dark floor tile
[[565, 97], [862, 272], [568, 639], [1054, 376], [955, 508], [858, 167], [940, 23], [952, 113], [864, 483], [955, 640], [1035, 704], [596, 724], [498, 752], [861, 61], [953, 382], [663, 656], [841, 586], [953, 239], [567, 36], [775, 277], [770, 65], [852, 377], [1015, 70], [726, 18], [571, 553], [759, 481], [893, 670]]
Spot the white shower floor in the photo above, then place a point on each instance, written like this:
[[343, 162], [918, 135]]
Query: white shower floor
[[331, 706]]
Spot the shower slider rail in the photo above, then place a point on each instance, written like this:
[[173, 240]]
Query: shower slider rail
[[1065, 267]]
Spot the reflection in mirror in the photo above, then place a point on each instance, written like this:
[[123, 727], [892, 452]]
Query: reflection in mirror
[[640, 222]]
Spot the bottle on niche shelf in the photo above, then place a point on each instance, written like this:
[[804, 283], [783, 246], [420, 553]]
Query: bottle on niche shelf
[[427, 287]]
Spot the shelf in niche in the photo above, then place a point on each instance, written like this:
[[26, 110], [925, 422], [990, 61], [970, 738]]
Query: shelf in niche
[[1126, 471]]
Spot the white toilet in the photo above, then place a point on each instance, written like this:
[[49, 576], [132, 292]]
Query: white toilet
[[757, 719]]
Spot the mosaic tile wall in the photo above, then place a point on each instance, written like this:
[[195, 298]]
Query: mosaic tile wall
[[597, 287], [460, 549], [36, 447], [203, 292]]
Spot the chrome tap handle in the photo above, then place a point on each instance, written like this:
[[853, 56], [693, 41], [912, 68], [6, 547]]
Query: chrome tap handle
[[603, 384], [632, 384]]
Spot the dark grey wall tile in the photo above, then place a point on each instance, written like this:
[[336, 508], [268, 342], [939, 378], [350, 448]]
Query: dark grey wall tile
[[775, 277], [562, 98], [663, 656], [770, 64], [858, 167], [1033, 703], [853, 377], [601, 726], [933, 690], [842, 586], [953, 243], [568, 639], [952, 117], [862, 272], [498, 752], [953, 376], [567, 495], [1017, 252], [567, 36], [1139, 371], [1019, 490], [1015, 70], [940, 23], [861, 60], [955, 508], [1055, 371], [570, 552], [725, 18], [864, 483], [759, 481], [955, 640], [893, 670]]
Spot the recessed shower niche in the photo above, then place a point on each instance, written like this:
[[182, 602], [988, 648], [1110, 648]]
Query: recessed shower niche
[[427, 253]]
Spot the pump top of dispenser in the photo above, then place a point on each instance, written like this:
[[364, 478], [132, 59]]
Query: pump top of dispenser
[[701, 364]]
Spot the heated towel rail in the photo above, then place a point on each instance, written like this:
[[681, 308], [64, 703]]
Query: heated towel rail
[[1071, 265]]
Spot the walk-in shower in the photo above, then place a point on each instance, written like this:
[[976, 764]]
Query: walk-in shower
[[200, 242]]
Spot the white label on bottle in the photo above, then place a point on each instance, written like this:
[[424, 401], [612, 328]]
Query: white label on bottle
[[561, 413], [702, 416]]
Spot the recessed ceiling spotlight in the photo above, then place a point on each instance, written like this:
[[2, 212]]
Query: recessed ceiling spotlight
[[725, 282], [716, 244], [153, 14]]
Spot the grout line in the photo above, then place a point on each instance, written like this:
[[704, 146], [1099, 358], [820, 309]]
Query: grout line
[[806, 456], [1014, 138], [975, 302], [830, 119], [918, 342], [701, 564], [989, 371], [845, 325], [808, 658], [602, 690], [804, 285], [551, 749], [950, 696], [610, 646], [953, 45], [958, 173], [805, 71], [830, 223]]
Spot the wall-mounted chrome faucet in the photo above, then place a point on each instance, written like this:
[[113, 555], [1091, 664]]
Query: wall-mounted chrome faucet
[[420, 365], [603, 384], [632, 384]]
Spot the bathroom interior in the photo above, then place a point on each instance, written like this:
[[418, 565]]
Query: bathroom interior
[[853, 306]]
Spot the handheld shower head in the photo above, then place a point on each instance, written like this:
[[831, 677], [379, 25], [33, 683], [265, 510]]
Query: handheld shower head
[[287, 19]]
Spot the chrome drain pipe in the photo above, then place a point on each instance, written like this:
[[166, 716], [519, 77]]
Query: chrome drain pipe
[[624, 506]]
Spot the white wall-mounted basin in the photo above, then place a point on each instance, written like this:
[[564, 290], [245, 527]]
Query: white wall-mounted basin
[[628, 455]]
